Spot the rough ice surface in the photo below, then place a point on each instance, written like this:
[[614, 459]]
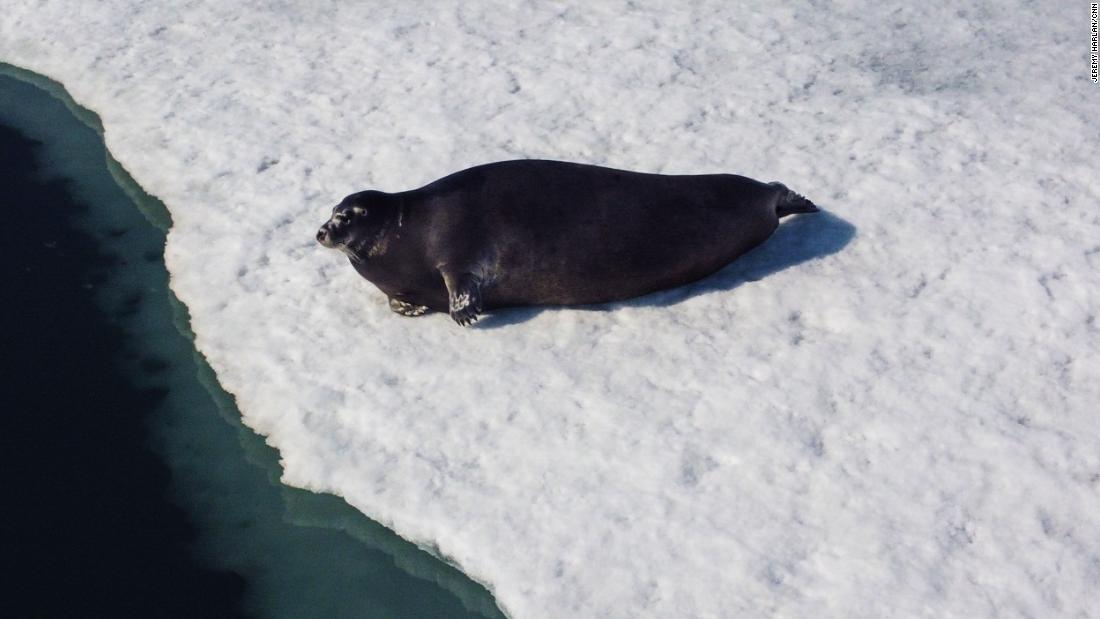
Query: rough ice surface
[[900, 423]]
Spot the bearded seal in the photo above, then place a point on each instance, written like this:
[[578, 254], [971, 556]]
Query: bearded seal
[[537, 232]]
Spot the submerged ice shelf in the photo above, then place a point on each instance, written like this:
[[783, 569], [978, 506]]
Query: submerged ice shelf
[[903, 426]]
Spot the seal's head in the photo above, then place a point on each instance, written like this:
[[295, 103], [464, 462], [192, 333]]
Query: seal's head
[[358, 225]]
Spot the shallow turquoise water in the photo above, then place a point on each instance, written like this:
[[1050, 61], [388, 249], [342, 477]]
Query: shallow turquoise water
[[300, 554]]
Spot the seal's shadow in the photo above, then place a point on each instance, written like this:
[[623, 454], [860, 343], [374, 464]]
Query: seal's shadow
[[801, 238]]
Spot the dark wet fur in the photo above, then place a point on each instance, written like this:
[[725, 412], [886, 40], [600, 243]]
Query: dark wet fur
[[533, 232]]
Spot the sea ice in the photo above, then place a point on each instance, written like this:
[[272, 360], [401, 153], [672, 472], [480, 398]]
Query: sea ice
[[895, 423]]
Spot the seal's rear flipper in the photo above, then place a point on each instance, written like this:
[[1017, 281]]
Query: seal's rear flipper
[[790, 202]]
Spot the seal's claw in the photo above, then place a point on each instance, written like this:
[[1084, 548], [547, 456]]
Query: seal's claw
[[465, 298], [407, 309], [464, 317], [464, 311]]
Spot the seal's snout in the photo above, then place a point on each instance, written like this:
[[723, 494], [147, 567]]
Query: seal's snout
[[324, 237]]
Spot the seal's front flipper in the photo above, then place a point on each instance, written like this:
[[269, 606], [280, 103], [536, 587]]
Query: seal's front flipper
[[407, 309], [464, 293]]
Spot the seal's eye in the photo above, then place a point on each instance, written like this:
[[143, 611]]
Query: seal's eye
[[358, 210]]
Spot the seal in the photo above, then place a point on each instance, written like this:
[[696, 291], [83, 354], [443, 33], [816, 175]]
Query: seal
[[537, 232]]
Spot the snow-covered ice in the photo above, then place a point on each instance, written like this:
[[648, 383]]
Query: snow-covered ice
[[890, 409]]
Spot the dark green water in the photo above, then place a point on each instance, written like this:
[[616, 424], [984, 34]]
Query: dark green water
[[135, 489]]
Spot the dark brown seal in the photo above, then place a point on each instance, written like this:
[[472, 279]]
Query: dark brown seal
[[533, 232]]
